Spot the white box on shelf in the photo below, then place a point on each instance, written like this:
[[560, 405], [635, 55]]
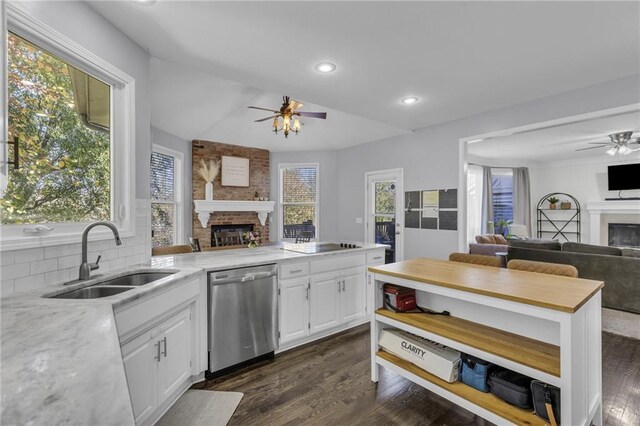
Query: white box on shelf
[[437, 359]]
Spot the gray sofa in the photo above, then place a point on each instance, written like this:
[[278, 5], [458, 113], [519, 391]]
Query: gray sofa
[[618, 268]]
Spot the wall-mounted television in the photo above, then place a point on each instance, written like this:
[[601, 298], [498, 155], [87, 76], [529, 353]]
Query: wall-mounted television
[[624, 176]]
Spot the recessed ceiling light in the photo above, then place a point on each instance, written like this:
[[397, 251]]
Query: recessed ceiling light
[[325, 67], [410, 100], [145, 2]]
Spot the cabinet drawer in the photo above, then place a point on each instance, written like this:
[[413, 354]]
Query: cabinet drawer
[[293, 270], [334, 263], [375, 257]]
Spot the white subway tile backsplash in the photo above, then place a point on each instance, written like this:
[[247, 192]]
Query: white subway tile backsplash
[[42, 266], [29, 283], [11, 272], [7, 258], [29, 255]]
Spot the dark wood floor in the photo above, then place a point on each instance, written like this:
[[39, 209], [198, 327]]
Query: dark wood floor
[[328, 383]]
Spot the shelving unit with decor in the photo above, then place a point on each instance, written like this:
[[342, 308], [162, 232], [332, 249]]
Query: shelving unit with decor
[[560, 222], [543, 326]]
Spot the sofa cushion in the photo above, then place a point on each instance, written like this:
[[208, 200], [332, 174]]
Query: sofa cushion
[[536, 244], [630, 252], [491, 239], [591, 248]]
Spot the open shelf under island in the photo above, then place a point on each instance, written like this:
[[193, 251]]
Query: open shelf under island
[[546, 327]]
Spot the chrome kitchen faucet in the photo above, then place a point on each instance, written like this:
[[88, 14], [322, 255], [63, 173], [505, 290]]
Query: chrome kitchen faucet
[[85, 267]]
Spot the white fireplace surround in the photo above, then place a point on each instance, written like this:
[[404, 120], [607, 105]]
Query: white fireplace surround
[[204, 208], [598, 208]]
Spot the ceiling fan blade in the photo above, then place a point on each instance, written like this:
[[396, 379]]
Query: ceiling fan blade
[[263, 109], [599, 143], [322, 115], [266, 118], [591, 147], [294, 105]]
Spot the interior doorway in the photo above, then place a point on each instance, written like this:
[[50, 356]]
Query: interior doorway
[[384, 211]]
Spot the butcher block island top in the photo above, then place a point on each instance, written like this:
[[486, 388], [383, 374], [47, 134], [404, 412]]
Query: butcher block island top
[[548, 291]]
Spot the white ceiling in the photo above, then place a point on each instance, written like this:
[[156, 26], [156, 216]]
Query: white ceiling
[[557, 143], [461, 58]]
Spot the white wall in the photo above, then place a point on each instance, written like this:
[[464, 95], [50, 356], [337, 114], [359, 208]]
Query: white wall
[[329, 188], [585, 179], [430, 156], [173, 142], [26, 269]]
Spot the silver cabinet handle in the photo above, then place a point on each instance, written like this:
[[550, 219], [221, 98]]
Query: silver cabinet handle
[[338, 286], [307, 293], [295, 271], [165, 346], [377, 258], [343, 285], [157, 357]]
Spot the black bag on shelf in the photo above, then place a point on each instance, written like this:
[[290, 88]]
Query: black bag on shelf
[[546, 401], [511, 387]]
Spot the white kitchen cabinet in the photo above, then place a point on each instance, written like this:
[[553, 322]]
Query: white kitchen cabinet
[[157, 364], [353, 295], [324, 301], [294, 309], [141, 370], [174, 366]]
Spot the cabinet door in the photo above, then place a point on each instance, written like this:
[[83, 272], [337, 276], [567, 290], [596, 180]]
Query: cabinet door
[[325, 302], [175, 352], [353, 298], [294, 309], [141, 365]]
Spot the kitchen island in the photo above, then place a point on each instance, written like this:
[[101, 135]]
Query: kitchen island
[[546, 327], [62, 359]]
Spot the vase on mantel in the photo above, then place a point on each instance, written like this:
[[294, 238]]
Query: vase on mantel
[[208, 191]]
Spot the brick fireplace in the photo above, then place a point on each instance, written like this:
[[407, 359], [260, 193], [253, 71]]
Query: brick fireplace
[[258, 181]]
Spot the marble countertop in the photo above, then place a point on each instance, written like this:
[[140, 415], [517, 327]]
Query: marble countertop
[[237, 258], [61, 358]]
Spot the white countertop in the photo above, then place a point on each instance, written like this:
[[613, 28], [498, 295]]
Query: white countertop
[[61, 358]]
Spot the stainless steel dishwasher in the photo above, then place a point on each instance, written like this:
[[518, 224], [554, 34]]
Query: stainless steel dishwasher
[[243, 315]]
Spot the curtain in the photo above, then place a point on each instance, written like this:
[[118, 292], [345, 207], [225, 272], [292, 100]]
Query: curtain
[[522, 198], [474, 201], [487, 199]]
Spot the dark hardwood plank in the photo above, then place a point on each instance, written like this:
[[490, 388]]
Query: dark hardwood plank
[[328, 383]]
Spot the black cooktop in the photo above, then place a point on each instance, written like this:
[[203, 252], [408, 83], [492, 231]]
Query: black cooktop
[[311, 248]]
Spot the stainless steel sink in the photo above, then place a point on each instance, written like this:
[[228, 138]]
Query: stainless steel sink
[[94, 292], [136, 279]]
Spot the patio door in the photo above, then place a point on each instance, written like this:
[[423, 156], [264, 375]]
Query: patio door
[[384, 211]]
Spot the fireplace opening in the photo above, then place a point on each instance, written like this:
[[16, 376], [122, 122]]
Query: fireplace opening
[[624, 235], [242, 228]]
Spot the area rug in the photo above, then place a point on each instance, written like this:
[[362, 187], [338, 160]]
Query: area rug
[[202, 407], [622, 323]]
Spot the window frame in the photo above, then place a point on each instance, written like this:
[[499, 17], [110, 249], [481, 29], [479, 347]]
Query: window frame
[[122, 170], [178, 190], [281, 202], [502, 171]]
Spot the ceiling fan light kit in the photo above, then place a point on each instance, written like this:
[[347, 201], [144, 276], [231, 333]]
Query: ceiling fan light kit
[[288, 113], [619, 144]]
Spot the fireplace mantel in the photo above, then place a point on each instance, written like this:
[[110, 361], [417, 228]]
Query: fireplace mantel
[[204, 208], [597, 208]]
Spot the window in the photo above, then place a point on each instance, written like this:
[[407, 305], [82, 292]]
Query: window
[[166, 197], [299, 200], [70, 127], [502, 188], [60, 140]]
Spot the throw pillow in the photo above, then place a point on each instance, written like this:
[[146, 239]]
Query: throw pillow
[[592, 249]]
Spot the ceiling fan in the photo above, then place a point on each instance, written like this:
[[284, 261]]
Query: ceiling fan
[[619, 144], [288, 112]]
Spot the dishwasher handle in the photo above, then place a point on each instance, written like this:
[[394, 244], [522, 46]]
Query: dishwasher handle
[[243, 279]]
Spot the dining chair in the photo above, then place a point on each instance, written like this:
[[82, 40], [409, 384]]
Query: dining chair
[[163, 251], [475, 259], [224, 239], [195, 244], [543, 267]]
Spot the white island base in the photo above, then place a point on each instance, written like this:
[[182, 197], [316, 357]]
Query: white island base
[[543, 326]]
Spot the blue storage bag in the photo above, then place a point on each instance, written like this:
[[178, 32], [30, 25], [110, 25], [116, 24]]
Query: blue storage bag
[[475, 372]]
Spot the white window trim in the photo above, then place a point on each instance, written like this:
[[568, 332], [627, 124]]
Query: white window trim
[[281, 167], [178, 190], [122, 135]]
